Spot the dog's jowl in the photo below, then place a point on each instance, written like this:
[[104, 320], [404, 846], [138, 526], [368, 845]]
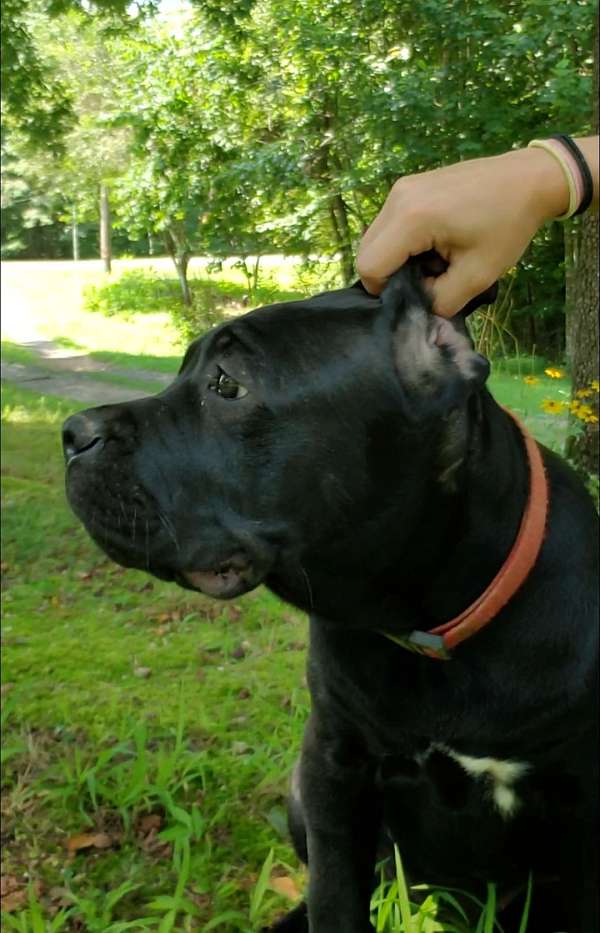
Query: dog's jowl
[[345, 452]]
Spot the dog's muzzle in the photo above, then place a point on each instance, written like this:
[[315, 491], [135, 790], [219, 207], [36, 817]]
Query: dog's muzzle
[[129, 522]]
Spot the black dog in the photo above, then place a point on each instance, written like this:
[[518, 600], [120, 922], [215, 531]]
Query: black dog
[[344, 451]]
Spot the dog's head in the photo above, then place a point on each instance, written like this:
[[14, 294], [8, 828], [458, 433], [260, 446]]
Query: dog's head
[[284, 432]]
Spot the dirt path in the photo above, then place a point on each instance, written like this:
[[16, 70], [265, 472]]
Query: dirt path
[[70, 374]]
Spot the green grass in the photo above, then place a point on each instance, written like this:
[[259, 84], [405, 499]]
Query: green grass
[[13, 353], [204, 744], [50, 298], [510, 390], [91, 746], [201, 748]]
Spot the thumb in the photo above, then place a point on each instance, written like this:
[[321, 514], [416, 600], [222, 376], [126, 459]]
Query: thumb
[[461, 282]]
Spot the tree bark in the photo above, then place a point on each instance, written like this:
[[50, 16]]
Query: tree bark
[[75, 234], [571, 242], [338, 213], [583, 446], [178, 251], [105, 229]]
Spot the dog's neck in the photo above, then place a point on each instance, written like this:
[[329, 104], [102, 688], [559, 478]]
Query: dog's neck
[[426, 560], [491, 495]]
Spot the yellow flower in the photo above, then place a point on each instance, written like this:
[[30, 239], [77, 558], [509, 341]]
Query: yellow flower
[[553, 408], [554, 373], [594, 385], [583, 412], [531, 380], [584, 393]]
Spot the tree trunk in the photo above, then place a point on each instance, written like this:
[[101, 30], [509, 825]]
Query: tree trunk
[[583, 447], [255, 275], [105, 229], [571, 241], [178, 251], [181, 264], [75, 234], [338, 213]]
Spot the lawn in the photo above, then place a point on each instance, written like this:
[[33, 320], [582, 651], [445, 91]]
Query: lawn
[[130, 708], [148, 733]]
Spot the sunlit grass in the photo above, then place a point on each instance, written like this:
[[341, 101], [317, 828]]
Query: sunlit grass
[[48, 298], [205, 742]]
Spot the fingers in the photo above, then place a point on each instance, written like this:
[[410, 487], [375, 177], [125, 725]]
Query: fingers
[[385, 247], [462, 281]]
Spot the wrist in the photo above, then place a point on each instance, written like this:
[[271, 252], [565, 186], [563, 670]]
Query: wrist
[[546, 182], [589, 149]]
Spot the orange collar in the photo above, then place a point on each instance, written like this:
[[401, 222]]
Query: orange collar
[[438, 642]]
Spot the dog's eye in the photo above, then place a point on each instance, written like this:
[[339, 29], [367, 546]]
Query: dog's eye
[[226, 386]]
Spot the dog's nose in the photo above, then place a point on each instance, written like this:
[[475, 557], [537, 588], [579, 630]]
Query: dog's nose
[[82, 434]]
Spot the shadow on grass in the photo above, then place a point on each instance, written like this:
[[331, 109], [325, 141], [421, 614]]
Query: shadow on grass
[[144, 366]]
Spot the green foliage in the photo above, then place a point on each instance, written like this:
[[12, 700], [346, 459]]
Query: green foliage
[[34, 97], [145, 291], [256, 127], [135, 291]]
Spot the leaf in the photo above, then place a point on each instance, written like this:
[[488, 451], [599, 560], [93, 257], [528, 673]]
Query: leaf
[[148, 822], [88, 841], [284, 885], [14, 900]]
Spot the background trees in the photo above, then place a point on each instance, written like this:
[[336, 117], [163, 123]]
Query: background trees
[[237, 128]]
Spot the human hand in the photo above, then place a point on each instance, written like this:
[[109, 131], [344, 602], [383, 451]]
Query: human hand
[[479, 216]]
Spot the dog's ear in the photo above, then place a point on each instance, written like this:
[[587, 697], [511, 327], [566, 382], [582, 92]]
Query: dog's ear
[[436, 362], [431, 264]]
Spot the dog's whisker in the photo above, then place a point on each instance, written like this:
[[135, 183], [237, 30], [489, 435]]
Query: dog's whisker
[[169, 528], [147, 543], [311, 601]]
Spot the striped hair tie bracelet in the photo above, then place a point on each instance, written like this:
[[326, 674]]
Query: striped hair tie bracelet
[[575, 169], [586, 175]]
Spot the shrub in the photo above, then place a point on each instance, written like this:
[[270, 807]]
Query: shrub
[[136, 291]]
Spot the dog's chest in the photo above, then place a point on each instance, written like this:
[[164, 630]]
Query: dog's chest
[[426, 737], [464, 800], [497, 780]]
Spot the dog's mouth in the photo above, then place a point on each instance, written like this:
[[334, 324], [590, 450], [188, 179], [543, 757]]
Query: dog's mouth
[[231, 578]]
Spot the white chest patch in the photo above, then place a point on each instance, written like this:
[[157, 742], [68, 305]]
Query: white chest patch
[[500, 776]]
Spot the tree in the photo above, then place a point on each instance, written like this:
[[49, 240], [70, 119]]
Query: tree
[[34, 97], [356, 94], [583, 318], [77, 173], [282, 126]]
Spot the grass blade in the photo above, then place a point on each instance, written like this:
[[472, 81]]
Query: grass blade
[[260, 887], [525, 917], [405, 908]]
